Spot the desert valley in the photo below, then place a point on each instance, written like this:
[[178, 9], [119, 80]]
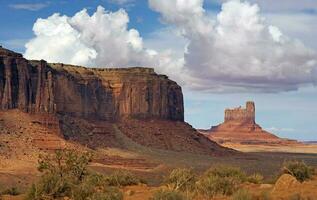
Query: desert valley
[[131, 120], [158, 100]]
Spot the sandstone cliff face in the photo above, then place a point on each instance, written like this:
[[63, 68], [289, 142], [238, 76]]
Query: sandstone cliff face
[[97, 107], [105, 94]]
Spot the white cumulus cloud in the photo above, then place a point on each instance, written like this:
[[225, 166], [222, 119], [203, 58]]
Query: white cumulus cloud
[[102, 39], [237, 50]]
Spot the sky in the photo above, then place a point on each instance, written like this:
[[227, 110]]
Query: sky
[[222, 52]]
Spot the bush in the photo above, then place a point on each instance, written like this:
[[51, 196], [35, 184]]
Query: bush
[[122, 178], [220, 180], [211, 186], [227, 171], [255, 178], [65, 163], [66, 175], [242, 195], [50, 186], [11, 191], [181, 180], [97, 180], [298, 169], [167, 195]]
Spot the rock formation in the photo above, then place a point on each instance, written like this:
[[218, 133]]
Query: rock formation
[[240, 127], [241, 115], [96, 106], [107, 94]]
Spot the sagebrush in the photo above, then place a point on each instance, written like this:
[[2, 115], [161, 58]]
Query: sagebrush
[[300, 170], [65, 175]]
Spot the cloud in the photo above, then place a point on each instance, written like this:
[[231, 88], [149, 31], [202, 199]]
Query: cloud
[[286, 5], [100, 40], [237, 51], [29, 6], [302, 26], [166, 39], [280, 6]]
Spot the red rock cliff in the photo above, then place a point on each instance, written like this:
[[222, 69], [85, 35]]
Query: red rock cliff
[[107, 94]]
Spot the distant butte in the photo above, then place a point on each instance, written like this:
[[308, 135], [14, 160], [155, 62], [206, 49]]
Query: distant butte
[[240, 127]]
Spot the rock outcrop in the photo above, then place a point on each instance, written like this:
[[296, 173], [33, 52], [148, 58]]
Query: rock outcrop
[[107, 94], [285, 183], [240, 127], [241, 115], [95, 106]]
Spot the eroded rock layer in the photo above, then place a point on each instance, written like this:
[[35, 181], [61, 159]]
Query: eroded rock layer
[[106, 94]]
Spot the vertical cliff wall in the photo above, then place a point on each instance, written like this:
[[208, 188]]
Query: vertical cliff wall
[[24, 86], [107, 94]]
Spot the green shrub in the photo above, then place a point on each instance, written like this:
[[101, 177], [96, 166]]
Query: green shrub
[[50, 186], [13, 191], [220, 180], [65, 163], [211, 186], [167, 195], [255, 178], [82, 192], [227, 171], [122, 178], [97, 180], [242, 195], [298, 169], [181, 180], [66, 175]]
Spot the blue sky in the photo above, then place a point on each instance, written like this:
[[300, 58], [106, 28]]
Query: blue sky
[[286, 106]]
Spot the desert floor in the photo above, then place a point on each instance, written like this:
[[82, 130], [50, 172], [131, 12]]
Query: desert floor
[[304, 148]]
